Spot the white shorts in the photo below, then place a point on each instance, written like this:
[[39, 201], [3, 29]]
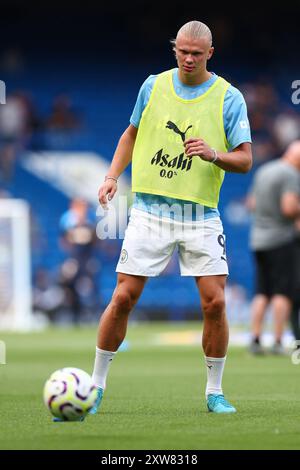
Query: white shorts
[[150, 242]]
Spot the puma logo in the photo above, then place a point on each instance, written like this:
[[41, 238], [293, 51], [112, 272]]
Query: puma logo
[[173, 127], [209, 366]]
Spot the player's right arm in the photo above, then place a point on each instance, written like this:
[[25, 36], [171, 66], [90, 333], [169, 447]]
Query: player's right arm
[[121, 159]]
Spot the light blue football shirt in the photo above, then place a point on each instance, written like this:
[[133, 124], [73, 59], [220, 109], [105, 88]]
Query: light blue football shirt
[[237, 130]]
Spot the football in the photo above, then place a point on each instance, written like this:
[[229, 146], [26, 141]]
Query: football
[[69, 394]]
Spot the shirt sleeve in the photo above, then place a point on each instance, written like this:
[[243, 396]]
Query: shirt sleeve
[[142, 100], [291, 184], [236, 123]]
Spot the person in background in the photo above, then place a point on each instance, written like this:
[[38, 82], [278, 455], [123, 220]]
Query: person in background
[[78, 274], [275, 201]]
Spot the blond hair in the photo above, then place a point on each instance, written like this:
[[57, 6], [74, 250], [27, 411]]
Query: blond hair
[[193, 30]]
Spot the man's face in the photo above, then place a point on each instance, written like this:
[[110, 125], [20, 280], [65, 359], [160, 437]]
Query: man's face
[[192, 54]]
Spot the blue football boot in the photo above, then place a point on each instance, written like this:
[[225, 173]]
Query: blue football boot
[[97, 404], [218, 404]]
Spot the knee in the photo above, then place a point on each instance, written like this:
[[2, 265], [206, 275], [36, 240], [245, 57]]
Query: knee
[[214, 307], [122, 302]]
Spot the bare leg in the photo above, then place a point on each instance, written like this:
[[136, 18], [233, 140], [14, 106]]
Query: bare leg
[[113, 323], [281, 306], [214, 340], [215, 331], [258, 310], [112, 328]]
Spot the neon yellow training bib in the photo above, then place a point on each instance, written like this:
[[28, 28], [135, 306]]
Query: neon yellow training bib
[[159, 165]]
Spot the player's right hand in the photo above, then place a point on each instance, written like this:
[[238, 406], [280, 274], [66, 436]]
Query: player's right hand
[[107, 192]]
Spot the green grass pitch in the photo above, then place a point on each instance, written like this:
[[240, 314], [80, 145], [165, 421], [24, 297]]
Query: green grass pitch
[[154, 398]]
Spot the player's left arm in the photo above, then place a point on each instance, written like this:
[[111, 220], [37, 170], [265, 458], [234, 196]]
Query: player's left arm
[[239, 157]]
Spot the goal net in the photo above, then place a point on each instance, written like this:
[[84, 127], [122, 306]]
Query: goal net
[[15, 271]]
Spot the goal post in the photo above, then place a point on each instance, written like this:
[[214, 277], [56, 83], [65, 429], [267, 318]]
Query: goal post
[[15, 265]]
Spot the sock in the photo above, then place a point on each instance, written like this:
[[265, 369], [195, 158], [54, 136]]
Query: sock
[[215, 367], [102, 363]]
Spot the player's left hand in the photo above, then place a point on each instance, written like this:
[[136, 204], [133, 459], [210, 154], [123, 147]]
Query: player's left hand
[[198, 148]]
